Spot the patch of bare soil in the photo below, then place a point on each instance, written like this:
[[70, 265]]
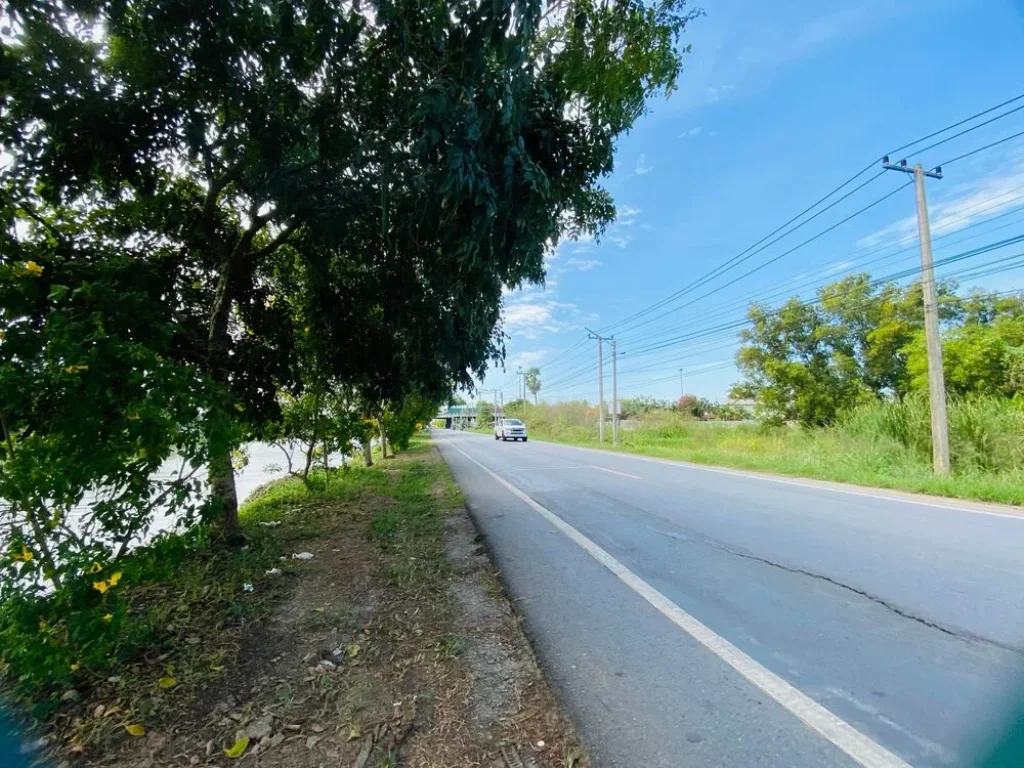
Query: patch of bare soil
[[354, 670]]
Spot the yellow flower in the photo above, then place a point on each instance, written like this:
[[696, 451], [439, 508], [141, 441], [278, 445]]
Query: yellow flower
[[75, 667], [108, 617], [33, 268], [103, 586], [25, 556]]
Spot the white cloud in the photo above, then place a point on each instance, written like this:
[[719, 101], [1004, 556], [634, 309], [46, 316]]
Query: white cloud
[[642, 167], [526, 359], [582, 265], [627, 211], [963, 205], [620, 239], [839, 266], [717, 92], [530, 316], [695, 131]]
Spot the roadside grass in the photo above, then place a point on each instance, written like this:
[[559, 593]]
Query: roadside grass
[[93, 665], [89, 665], [881, 445]]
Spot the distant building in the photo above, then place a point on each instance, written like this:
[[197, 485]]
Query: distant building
[[458, 416], [747, 406]]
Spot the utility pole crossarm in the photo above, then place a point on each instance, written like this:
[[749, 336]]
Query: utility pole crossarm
[[902, 166]]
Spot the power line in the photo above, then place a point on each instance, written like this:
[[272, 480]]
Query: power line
[[985, 270], [982, 149], [857, 256], [746, 254], [874, 283], [738, 258]]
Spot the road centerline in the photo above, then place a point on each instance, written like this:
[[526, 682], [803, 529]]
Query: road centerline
[[834, 729], [616, 472]]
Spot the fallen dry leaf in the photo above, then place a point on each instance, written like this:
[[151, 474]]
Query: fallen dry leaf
[[237, 749], [135, 729]]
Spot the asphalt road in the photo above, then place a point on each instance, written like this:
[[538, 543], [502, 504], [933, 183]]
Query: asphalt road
[[694, 617]]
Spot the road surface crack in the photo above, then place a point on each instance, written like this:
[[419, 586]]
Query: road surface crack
[[957, 633]]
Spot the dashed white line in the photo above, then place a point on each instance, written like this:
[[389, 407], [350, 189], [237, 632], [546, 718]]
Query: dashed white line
[[901, 497], [862, 749], [616, 472]]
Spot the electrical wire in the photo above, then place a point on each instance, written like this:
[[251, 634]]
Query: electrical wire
[[746, 254]]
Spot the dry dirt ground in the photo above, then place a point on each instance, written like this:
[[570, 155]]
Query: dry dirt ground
[[374, 658]]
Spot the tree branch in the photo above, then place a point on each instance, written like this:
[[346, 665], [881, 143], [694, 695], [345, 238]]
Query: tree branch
[[277, 242], [210, 203]]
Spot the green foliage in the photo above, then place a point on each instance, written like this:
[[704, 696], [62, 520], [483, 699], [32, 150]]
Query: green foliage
[[484, 413], [316, 424], [306, 181], [169, 589], [978, 357], [92, 405], [810, 362], [531, 377]]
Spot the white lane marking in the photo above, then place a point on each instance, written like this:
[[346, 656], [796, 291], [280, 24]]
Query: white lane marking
[[901, 497], [615, 472], [836, 730], [545, 469]]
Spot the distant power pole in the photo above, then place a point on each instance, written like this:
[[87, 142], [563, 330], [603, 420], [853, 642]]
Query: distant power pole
[[682, 394], [600, 383], [520, 380], [615, 394], [936, 378]]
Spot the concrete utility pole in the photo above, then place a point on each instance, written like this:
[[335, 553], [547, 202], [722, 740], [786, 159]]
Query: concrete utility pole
[[682, 394], [615, 394], [520, 388], [600, 383], [936, 378]]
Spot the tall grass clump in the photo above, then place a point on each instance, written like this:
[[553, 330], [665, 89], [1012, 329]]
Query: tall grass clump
[[986, 434]]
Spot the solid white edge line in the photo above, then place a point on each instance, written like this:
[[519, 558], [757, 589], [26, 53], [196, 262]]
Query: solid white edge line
[[886, 494], [833, 728], [615, 472]]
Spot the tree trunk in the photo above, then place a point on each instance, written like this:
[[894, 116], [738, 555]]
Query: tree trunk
[[222, 486], [383, 439], [534, 399], [368, 452], [313, 441], [221, 474]]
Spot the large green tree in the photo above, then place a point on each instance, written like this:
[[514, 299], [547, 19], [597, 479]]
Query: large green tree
[[401, 161], [808, 361]]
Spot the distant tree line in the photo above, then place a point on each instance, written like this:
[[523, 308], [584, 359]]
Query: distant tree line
[[810, 361]]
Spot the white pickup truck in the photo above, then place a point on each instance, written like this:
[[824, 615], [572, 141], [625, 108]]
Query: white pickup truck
[[509, 429]]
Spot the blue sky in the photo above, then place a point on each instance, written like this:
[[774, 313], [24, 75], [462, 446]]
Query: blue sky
[[780, 103]]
